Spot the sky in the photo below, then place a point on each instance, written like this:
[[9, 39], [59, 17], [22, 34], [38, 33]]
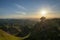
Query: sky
[[29, 8]]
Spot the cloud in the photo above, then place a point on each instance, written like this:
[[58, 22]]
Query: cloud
[[16, 15], [20, 13], [21, 7]]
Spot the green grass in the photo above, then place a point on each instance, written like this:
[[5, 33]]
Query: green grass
[[6, 36]]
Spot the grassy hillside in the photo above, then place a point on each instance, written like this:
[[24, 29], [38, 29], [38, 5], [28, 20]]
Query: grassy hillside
[[6, 36]]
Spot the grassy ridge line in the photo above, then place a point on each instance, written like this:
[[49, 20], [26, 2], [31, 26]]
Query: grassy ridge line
[[6, 36]]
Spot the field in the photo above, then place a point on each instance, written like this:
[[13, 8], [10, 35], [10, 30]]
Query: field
[[26, 29]]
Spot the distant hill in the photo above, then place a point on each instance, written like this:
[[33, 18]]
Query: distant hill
[[48, 29], [30, 30], [6, 36]]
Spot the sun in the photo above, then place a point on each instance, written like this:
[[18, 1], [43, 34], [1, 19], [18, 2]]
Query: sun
[[43, 13]]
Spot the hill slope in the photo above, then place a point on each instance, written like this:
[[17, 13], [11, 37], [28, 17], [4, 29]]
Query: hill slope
[[6, 36]]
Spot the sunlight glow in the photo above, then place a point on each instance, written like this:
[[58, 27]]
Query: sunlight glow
[[43, 13]]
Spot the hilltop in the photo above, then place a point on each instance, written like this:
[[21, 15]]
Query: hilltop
[[6, 36]]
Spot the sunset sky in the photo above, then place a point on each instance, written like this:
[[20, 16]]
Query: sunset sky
[[29, 8]]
